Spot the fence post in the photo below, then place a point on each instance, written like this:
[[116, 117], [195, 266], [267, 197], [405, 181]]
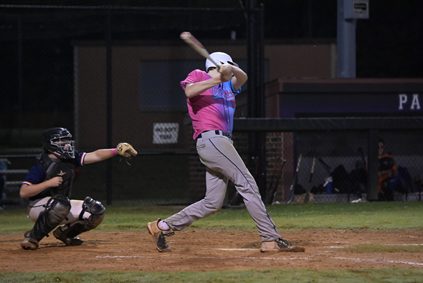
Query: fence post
[[373, 165], [109, 170]]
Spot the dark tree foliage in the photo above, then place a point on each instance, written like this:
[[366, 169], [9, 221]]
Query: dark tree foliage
[[388, 43]]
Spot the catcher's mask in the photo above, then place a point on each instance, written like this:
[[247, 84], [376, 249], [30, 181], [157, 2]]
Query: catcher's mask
[[58, 141], [219, 57]]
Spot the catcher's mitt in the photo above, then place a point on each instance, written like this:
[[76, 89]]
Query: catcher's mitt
[[126, 150]]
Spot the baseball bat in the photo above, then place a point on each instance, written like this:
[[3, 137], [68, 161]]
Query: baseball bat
[[197, 46], [275, 189], [291, 189], [309, 186], [360, 149], [327, 167], [272, 178], [312, 170], [256, 159], [235, 200]]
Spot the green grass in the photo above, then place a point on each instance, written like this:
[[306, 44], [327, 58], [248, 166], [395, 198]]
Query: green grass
[[327, 276], [378, 215]]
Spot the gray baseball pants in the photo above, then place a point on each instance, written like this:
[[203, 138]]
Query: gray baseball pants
[[223, 163]]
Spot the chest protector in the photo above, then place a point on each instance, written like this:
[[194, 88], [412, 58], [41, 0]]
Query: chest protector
[[53, 167]]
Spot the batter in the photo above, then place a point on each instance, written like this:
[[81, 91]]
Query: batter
[[211, 106]]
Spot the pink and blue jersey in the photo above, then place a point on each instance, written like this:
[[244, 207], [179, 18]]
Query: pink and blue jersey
[[213, 109]]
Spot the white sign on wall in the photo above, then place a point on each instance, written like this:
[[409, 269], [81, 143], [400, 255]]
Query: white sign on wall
[[164, 133], [356, 9]]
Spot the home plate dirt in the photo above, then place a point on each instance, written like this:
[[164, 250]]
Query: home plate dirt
[[211, 250]]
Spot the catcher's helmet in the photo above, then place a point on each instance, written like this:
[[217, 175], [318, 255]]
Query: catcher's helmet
[[219, 57], [386, 163], [58, 141]]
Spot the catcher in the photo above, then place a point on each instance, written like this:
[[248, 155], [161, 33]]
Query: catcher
[[48, 186]]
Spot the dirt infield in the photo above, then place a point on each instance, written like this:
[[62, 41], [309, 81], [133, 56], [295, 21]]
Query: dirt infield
[[201, 250]]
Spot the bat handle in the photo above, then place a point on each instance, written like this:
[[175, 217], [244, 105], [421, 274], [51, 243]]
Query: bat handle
[[312, 169], [299, 161]]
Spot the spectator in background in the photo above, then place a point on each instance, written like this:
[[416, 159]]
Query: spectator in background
[[387, 174]]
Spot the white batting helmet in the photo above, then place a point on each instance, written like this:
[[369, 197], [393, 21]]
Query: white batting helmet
[[219, 57]]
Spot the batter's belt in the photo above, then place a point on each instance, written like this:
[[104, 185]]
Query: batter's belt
[[212, 133]]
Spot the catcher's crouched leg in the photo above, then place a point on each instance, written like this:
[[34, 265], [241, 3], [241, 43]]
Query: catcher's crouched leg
[[56, 211], [68, 232]]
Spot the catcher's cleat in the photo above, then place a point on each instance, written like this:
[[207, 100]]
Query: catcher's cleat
[[159, 236], [279, 245], [58, 234], [29, 244]]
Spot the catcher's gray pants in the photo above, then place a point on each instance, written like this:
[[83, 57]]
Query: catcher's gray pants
[[224, 163], [36, 207]]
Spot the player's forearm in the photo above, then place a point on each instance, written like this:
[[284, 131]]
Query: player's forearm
[[240, 77], [195, 89], [99, 155], [32, 190]]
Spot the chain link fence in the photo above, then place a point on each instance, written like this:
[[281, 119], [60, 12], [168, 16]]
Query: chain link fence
[[341, 169], [336, 161], [108, 74], [111, 74]]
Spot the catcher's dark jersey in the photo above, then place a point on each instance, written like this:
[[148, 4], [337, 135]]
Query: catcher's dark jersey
[[64, 168]]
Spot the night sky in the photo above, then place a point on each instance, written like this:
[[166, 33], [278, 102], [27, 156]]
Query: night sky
[[389, 43]]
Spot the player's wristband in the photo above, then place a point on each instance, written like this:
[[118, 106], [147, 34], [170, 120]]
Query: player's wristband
[[113, 151]]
